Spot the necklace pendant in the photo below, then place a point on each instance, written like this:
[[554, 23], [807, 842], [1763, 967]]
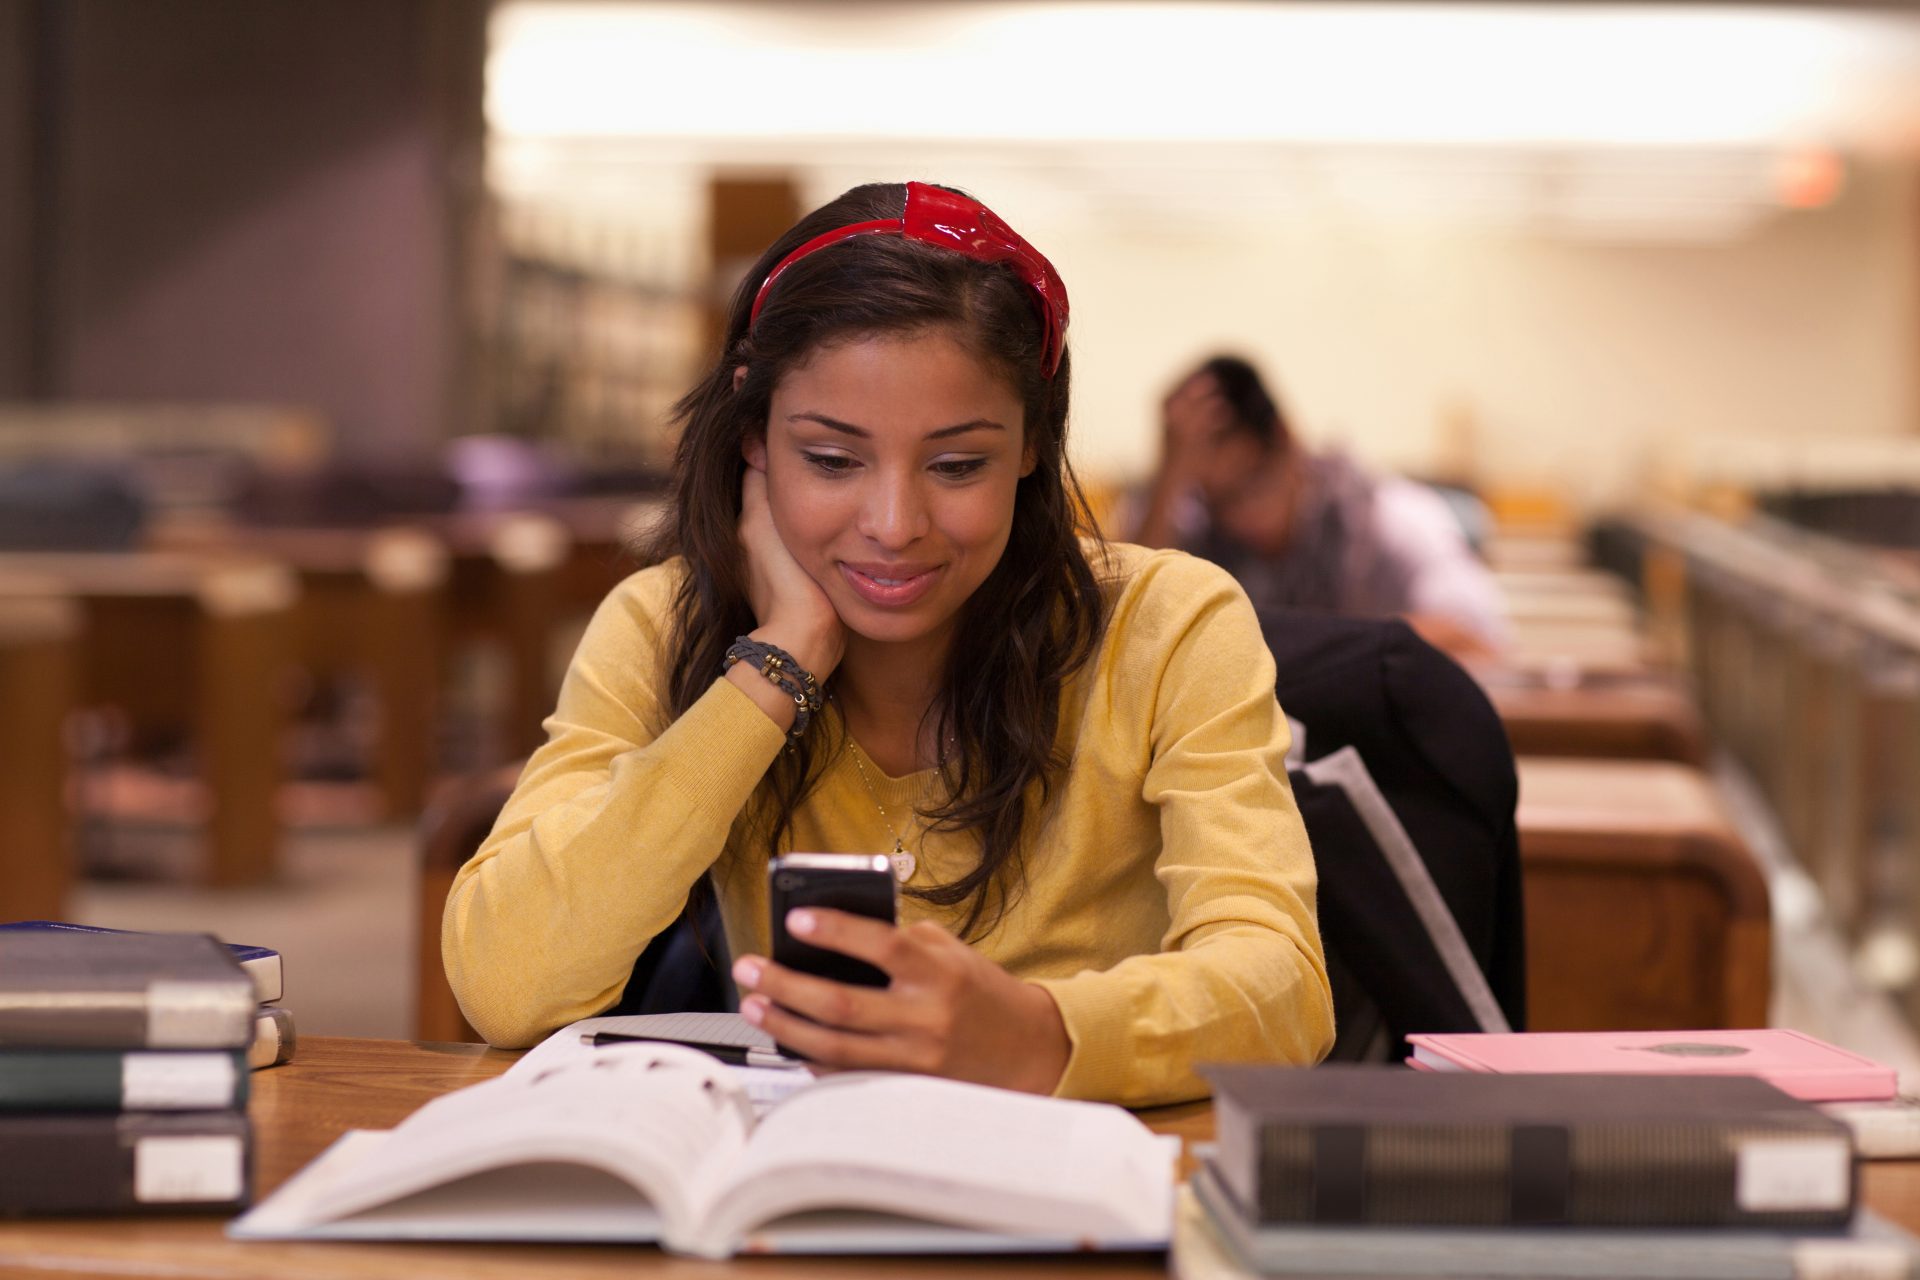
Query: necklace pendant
[[903, 862]]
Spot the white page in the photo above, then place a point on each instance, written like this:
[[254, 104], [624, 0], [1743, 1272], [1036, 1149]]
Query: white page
[[765, 1086], [525, 1202], [1009, 1163], [653, 1115]]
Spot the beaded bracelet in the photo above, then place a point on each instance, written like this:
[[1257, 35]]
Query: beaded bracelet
[[784, 673]]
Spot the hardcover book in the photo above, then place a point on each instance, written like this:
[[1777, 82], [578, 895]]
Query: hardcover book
[[273, 1037], [263, 964], [112, 1080], [65, 989], [648, 1142], [1799, 1064], [1215, 1240], [115, 1162], [1384, 1145]]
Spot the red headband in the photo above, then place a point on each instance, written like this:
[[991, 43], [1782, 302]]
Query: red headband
[[951, 221]]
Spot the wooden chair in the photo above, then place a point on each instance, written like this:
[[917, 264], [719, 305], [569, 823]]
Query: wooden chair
[[457, 820], [1645, 909], [39, 669]]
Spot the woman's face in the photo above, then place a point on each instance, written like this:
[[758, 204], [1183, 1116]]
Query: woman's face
[[892, 464]]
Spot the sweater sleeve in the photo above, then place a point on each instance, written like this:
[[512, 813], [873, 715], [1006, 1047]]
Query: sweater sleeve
[[1240, 975], [613, 820]]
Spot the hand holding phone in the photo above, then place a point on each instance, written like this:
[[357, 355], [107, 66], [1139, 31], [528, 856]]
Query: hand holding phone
[[939, 1006], [858, 883]]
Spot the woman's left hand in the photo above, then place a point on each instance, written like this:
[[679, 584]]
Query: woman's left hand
[[949, 1011]]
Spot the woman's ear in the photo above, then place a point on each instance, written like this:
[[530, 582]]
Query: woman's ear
[[1029, 459], [739, 376], [753, 447]]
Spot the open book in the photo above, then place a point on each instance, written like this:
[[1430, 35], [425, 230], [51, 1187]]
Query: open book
[[656, 1142]]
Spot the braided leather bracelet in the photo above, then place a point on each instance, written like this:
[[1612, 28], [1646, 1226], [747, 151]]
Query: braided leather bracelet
[[784, 673]]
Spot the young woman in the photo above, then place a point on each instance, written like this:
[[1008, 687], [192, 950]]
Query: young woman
[[874, 627]]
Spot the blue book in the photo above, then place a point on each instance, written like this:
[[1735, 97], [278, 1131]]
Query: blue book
[[261, 963]]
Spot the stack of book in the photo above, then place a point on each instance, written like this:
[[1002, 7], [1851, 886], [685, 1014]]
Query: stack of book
[[1852, 1088], [123, 1072], [273, 1036], [1375, 1171]]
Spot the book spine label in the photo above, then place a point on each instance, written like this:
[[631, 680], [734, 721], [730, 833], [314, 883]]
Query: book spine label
[[1851, 1260], [188, 1170], [1786, 1175], [178, 1081], [105, 1162], [108, 1080], [194, 1015]]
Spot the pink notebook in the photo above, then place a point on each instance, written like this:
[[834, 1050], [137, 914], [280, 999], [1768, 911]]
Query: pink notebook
[[1796, 1064]]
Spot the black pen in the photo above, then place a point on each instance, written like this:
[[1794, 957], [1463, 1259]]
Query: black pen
[[733, 1055]]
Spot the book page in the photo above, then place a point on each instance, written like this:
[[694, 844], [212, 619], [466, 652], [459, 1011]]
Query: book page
[[765, 1087], [655, 1116], [989, 1159]]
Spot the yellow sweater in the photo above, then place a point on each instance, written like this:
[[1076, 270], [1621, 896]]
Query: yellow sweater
[[1168, 897]]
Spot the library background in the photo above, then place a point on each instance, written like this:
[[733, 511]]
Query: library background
[[339, 345]]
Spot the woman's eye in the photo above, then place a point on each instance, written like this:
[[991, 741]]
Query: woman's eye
[[958, 468], [831, 463]]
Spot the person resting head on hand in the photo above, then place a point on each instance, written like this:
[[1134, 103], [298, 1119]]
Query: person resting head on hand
[[1071, 747], [1309, 529]]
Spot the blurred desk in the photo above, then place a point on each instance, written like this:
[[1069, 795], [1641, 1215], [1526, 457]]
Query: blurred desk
[[200, 643], [519, 577], [1638, 717], [372, 605], [1645, 909], [39, 671], [1561, 644], [606, 534]]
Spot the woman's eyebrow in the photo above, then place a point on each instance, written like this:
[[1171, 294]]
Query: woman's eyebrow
[[847, 428]]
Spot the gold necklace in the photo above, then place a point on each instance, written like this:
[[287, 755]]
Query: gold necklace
[[901, 857]]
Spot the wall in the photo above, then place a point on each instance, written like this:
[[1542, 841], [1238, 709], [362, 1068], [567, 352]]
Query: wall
[[259, 202], [17, 33], [1576, 365]]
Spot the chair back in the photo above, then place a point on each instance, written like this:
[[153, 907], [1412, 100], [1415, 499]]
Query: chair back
[[1433, 748]]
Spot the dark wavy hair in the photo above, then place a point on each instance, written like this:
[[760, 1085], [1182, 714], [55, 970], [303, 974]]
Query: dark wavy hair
[[1027, 628], [1255, 409]]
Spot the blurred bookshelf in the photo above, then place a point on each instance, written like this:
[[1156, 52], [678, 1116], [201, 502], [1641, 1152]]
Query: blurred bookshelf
[[591, 335]]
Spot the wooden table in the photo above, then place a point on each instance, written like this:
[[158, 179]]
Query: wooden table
[[1645, 909], [1636, 717], [336, 1085]]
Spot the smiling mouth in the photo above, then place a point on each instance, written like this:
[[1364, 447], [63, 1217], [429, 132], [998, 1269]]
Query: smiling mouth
[[891, 588]]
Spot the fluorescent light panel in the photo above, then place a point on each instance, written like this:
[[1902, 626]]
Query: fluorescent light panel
[[1420, 74]]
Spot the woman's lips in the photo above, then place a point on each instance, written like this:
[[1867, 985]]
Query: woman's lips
[[890, 586]]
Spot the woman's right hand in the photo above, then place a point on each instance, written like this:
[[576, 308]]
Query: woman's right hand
[[789, 606]]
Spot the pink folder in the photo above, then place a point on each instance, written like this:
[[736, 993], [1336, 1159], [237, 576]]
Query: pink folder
[[1796, 1064]]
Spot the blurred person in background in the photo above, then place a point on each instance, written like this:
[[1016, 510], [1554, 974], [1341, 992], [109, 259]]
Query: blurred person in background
[[1309, 530]]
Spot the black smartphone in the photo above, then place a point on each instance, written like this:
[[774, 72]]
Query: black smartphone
[[858, 883]]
